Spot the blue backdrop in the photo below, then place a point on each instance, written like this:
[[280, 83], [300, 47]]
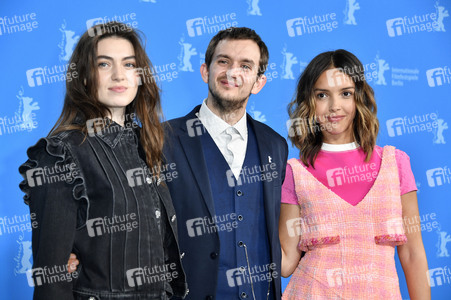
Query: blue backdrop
[[405, 46]]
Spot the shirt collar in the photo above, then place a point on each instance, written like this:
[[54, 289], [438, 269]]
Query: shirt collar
[[339, 147], [215, 125]]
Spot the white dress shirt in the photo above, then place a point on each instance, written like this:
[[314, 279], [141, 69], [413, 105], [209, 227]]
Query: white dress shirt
[[229, 139]]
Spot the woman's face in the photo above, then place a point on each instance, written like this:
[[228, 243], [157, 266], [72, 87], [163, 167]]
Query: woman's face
[[335, 106], [117, 78]]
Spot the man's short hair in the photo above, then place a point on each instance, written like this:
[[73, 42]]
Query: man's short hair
[[239, 33]]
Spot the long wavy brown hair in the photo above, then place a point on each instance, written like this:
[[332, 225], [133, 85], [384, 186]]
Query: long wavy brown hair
[[307, 138], [81, 102]]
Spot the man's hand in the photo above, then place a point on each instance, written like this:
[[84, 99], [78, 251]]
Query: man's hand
[[72, 263]]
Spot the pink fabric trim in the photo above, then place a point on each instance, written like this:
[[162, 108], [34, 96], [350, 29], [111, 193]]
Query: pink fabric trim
[[306, 244], [391, 239]]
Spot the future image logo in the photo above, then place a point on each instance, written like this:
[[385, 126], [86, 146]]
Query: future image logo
[[109, 225], [101, 126], [147, 275], [48, 75], [206, 225], [438, 176], [48, 175], [438, 76], [418, 23], [252, 174], [135, 177], [50, 275], [311, 25], [235, 277], [135, 277], [257, 273], [399, 126], [341, 276], [395, 226], [210, 25], [439, 276], [128, 21], [18, 23], [337, 77], [195, 127], [309, 224], [35, 77], [35, 277]]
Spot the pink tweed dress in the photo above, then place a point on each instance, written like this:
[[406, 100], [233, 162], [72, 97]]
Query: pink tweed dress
[[349, 249]]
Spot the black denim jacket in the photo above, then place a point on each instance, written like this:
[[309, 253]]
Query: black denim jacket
[[96, 197]]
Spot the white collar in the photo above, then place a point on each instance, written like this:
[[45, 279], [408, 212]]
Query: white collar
[[215, 125], [339, 147]]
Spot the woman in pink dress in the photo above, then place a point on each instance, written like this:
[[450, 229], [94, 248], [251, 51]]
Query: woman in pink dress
[[346, 203]]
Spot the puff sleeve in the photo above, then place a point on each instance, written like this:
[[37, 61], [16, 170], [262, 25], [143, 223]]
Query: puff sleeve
[[53, 189]]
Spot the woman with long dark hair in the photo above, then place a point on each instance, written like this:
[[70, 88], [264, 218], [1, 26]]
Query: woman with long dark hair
[[94, 184]]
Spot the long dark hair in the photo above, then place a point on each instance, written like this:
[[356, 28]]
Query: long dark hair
[[81, 103], [365, 125]]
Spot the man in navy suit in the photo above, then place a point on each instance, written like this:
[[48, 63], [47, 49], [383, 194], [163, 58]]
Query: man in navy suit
[[231, 168]]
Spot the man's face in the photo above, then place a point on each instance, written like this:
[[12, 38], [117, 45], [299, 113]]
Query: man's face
[[232, 74]]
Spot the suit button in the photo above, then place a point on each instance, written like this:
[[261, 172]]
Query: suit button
[[239, 193], [209, 298], [240, 218], [243, 295], [213, 255]]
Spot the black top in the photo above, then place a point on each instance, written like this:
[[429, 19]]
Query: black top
[[96, 197]]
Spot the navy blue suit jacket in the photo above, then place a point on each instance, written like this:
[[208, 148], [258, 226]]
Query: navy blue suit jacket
[[192, 198]]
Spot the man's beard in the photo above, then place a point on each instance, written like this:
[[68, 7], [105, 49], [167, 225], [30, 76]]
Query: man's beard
[[226, 106]]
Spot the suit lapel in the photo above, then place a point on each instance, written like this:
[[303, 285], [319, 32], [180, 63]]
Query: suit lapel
[[264, 148], [192, 147]]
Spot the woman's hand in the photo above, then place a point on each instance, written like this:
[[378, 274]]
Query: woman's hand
[[72, 263]]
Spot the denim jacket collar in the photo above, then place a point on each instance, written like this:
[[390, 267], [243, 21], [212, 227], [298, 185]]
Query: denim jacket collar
[[112, 133]]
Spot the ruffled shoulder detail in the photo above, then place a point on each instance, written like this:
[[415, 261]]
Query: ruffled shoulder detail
[[50, 161]]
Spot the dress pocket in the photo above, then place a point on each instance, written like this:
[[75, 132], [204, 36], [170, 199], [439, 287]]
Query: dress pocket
[[390, 232], [315, 233]]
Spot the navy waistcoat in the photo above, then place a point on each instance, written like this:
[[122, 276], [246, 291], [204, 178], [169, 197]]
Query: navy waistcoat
[[239, 221]]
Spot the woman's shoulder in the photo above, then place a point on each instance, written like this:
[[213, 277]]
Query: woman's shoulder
[[49, 153], [56, 143], [67, 137], [400, 154], [52, 148]]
